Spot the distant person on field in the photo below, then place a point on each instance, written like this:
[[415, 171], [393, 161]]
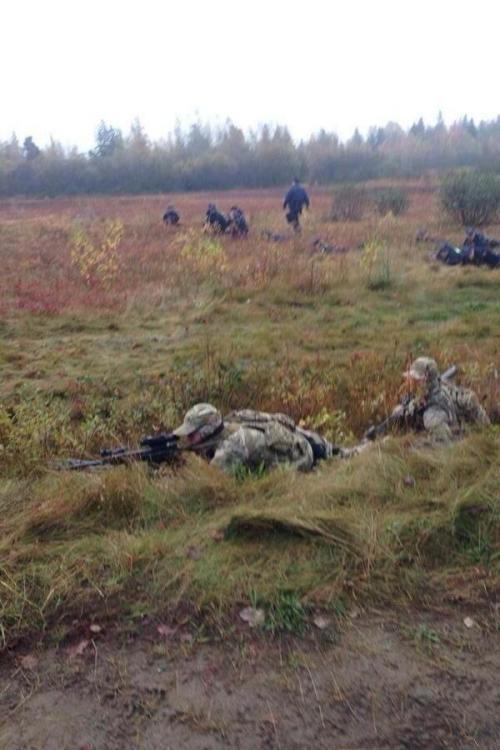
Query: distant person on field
[[295, 200], [239, 224], [479, 249], [171, 217], [215, 221]]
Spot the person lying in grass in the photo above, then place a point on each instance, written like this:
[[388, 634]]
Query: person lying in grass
[[257, 440], [254, 440]]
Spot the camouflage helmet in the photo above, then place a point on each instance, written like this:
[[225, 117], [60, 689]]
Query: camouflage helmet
[[423, 368], [202, 418]]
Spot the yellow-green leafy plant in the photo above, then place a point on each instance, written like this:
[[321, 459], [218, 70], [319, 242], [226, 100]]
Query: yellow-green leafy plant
[[204, 256], [376, 264], [97, 257]]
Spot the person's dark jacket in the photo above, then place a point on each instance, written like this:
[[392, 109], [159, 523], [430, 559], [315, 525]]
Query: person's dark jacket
[[239, 225], [217, 220], [452, 256], [171, 216], [296, 199], [478, 249]]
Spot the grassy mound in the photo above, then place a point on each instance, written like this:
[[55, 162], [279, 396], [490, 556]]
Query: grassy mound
[[128, 542]]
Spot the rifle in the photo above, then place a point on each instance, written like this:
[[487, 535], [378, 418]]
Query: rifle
[[154, 449], [376, 431], [165, 448]]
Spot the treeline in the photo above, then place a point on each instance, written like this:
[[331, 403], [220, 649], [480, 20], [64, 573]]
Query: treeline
[[204, 158]]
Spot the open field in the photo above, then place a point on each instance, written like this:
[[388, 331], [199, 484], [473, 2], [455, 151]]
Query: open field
[[100, 346]]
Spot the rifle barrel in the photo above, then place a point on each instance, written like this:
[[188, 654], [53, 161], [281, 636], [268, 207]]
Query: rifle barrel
[[153, 450]]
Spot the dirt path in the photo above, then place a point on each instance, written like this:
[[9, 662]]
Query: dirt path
[[385, 682]]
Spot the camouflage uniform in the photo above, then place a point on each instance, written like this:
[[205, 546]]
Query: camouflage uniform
[[444, 409], [252, 439]]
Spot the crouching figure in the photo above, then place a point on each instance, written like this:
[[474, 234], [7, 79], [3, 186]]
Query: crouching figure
[[440, 408]]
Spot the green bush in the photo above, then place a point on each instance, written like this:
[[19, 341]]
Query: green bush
[[472, 198], [349, 203], [391, 200]]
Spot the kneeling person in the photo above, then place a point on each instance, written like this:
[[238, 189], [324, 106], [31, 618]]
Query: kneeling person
[[252, 439], [215, 221], [441, 409], [239, 224], [171, 216]]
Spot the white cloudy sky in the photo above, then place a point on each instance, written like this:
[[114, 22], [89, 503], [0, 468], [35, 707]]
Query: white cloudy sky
[[338, 64]]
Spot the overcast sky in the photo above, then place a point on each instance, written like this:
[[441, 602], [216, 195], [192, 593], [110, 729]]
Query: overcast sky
[[336, 64]]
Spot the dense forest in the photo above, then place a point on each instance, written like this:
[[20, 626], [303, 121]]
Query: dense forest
[[201, 157]]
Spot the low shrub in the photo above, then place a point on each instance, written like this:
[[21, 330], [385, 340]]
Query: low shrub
[[391, 200], [349, 203], [376, 264], [95, 251], [472, 198]]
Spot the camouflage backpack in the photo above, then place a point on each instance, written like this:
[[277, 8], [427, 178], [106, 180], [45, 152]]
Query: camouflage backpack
[[261, 420]]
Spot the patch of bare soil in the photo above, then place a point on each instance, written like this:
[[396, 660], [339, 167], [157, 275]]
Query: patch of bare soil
[[384, 681]]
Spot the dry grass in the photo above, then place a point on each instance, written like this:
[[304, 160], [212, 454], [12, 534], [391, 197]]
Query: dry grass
[[244, 323], [124, 543]]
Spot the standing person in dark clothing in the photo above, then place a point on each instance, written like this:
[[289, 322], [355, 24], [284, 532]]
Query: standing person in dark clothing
[[295, 200]]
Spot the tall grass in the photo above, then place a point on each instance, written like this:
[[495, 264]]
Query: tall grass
[[120, 543]]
